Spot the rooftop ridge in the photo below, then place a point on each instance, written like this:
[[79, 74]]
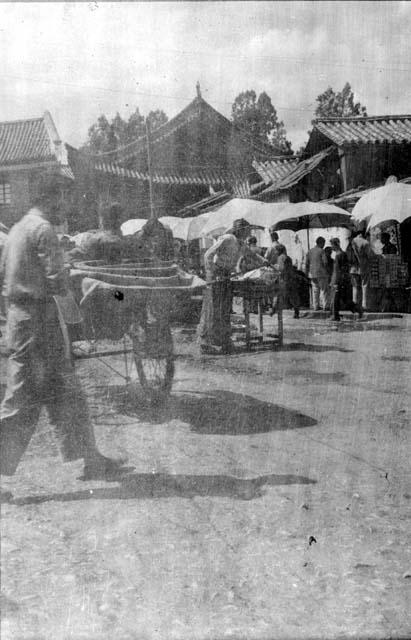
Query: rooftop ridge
[[39, 119], [357, 118]]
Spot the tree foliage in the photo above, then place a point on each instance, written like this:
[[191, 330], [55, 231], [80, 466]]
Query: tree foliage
[[338, 105], [106, 136], [258, 118]]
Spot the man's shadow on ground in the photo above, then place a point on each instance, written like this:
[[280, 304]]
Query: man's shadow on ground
[[218, 412], [147, 486]]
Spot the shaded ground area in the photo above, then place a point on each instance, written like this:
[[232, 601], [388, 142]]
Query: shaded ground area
[[270, 498]]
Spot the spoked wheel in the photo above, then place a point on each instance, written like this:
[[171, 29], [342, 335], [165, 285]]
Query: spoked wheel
[[154, 358]]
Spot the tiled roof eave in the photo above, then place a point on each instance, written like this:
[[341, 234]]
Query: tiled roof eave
[[299, 172], [29, 164], [206, 179], [366, 130]]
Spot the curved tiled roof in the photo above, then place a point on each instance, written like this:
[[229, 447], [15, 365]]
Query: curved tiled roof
[[298, 172], [205, 178], [25, 141], [371, 130], [274, 170]]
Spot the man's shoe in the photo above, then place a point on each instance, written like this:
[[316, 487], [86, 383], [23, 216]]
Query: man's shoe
[[102, 468], [228, 348]]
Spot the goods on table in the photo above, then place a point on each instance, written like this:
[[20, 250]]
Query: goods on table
[[388, 271]]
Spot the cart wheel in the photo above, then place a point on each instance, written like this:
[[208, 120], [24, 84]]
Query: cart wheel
[[154, 358]]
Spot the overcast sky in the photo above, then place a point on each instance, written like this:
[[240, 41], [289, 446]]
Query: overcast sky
[[79, 60]]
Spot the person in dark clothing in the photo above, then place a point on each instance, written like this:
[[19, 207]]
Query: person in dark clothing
[[388, 248], [340, 283], [330, 262], [288, 280]]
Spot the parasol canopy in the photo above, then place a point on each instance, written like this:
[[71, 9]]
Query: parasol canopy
[[189, 229], [392, 202], [312, 215], [258, 214], [170, 221], [129, 227]]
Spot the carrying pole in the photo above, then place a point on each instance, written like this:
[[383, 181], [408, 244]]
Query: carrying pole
[[153, 214]]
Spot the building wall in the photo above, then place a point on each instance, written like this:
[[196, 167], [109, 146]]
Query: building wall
[[372, 164], [19, 196]]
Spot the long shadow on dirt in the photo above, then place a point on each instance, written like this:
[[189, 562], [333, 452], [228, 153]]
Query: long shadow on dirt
[[147, 486], [317, 348], [216, 412]]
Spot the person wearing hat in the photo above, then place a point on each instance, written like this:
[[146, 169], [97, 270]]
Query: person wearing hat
[[32, 272], [340, 283], [220, 261]]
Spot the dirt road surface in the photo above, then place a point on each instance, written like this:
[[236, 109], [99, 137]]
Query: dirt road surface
[[271, 498]]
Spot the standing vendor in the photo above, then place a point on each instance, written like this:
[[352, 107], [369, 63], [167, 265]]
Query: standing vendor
[[220, 261]]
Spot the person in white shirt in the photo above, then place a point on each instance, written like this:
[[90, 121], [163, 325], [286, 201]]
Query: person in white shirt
[[220, 261], [298, 254]]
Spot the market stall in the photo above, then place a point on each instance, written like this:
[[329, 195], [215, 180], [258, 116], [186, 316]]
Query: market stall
[[385, 209]]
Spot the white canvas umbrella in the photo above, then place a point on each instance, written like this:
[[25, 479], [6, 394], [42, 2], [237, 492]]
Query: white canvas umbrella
[[132, 226], [170, 221], [189, 229], [312, 215], [392, 202], [259, 214]]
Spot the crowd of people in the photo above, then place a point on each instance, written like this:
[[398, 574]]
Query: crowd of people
[[336, 279], [325, 277]]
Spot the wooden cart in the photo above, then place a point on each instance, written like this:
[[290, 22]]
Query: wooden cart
[[135, 321]]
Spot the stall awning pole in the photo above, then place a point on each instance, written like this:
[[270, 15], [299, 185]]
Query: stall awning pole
[[153, 214]]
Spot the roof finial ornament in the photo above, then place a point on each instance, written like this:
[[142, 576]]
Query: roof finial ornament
[[198, 89]]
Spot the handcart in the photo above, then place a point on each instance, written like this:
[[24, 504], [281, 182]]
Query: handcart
[[254, 294], [124, 309]]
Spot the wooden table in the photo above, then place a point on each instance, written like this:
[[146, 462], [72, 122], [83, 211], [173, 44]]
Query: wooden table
[[252, 293]]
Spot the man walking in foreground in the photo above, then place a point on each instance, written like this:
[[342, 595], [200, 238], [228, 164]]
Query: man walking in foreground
[[340, 283], [38, 373], [316, 268]]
